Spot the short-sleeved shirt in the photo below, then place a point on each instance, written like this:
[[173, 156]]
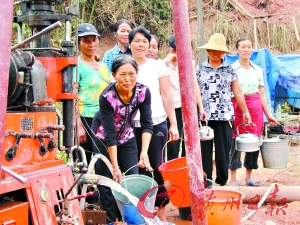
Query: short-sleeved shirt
[[249, 79], [215, 87], [149, 74], [91, 83], [111, 54], [114, 121], [174, 83]]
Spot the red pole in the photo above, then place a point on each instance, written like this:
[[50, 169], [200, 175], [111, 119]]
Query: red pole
[[6, 16], [189, 111]]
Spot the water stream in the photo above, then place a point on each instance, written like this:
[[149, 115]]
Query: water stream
[[134, 200]]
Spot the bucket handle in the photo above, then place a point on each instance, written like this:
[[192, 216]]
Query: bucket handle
[[206, 123], [148, 168], [245, 124], [164, 148]]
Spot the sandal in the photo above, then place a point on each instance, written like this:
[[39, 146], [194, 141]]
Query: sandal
[[253, 183]]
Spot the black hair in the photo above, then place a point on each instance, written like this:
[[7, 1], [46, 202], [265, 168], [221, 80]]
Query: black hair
[[122, 60], [82, 37], [172, 42], [140, 29], [156, 39], [242, 39], [119, 22]]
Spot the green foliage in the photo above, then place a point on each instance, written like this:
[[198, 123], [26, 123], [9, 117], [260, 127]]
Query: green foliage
[[62, 155], [155, 15], [286, 107]]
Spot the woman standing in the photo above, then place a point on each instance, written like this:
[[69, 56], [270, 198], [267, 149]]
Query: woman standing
[[155, 75], [121, 30], [153, 47], [93, 78], [171, 61], [114, 130], [217, 81], [252, 84]]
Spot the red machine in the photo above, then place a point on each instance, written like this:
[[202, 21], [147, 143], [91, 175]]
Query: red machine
[[35, 186]]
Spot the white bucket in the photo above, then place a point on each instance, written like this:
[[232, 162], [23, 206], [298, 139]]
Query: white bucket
[[274, 153]]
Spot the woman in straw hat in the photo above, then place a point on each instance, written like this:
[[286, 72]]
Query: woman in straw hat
[[217, 81], [252, 85]]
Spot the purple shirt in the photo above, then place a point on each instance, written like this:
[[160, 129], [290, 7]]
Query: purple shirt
[[114, 121]]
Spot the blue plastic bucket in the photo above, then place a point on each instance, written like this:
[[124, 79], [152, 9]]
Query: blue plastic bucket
[[132, 215]]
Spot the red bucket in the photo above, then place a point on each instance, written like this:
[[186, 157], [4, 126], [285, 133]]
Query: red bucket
[[176, 172]]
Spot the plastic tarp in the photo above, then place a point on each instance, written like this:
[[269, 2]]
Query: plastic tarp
[[281, 75]]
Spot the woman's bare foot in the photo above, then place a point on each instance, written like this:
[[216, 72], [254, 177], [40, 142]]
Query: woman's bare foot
[[162, 214]]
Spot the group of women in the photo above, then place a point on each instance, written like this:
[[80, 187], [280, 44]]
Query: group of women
[[141, 110]]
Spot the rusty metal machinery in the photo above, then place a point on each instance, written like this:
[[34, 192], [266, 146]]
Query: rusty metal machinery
[[35, 185]]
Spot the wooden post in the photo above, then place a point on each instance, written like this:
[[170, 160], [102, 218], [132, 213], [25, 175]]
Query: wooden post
[[255, 34], [268, 30], [200, 30], [296, 30], [222, 4]]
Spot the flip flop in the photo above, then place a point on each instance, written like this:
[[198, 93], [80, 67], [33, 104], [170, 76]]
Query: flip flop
[[253, 183], [235, 185]]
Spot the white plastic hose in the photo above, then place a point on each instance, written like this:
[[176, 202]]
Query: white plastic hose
[[260, 202]]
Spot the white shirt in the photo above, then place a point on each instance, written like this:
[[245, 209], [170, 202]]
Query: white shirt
[[174, 84], [149, 74]]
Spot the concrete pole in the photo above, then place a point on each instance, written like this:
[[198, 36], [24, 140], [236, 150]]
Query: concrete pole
[[6, 12], [200, 30], [189, 111]]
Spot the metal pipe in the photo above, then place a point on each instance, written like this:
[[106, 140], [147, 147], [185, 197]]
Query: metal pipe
[[189, 111], [19, 30], [37, 35], [18, 177], [68, 30]]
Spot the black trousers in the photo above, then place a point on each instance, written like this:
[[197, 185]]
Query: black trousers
[[155, 153], [173, 147], [88, 146], [127, 157], [250, 161], [222, 140]]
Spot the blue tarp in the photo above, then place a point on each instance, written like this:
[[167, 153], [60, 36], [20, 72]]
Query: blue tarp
[[281, 75]]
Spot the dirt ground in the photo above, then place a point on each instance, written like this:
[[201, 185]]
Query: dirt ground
[[289, 176]]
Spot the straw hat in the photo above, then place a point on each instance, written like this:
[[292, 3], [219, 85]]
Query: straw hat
[[216, 42]]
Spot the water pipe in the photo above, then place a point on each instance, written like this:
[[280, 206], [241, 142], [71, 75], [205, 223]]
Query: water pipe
[[289, 193], [189, 110], [94, 160]]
